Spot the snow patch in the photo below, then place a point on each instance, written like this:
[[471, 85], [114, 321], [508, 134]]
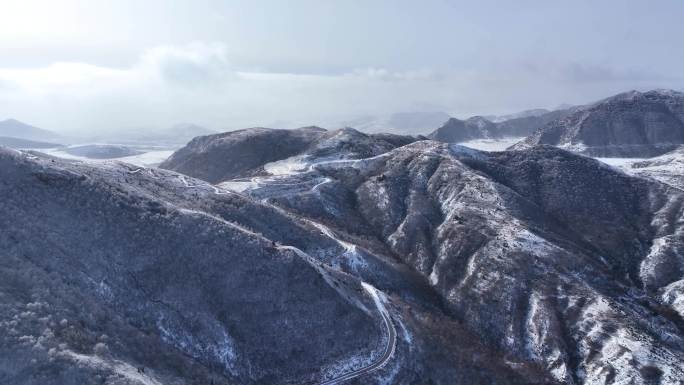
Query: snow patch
[[287, 166], [351, 255], [121, 368], [491, 144], [218, 345], [673, 296], [239, 185]]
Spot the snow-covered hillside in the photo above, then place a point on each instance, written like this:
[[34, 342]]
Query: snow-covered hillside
[[332, 256]]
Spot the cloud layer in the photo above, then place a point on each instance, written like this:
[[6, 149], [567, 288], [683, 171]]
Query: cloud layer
[[196, 82], [93, 66]]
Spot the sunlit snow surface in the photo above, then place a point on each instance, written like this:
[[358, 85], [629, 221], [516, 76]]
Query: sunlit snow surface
[[303, 163], [491, 144], [151, 156], [287, 166], [667, 168], [619, 162]]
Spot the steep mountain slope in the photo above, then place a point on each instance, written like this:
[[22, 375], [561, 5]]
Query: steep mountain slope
[[123, 275], [374, 259], [553, 259], [527, 125], [632, 124], [16, 129], [174, 276], [143, 275], [220, 157]]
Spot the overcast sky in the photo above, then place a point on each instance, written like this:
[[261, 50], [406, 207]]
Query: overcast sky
[[100, 65]]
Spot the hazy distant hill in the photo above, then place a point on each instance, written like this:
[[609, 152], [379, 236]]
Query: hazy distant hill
[[480, 127], [16, 129], [102, 151], [175, 135], [518, 115], [408, 123], [25, 143]]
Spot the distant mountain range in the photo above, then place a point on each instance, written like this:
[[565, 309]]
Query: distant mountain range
[[16, 129], [517, 115], [406, 123], [171, 136], [309, 256], [480, 127], [327, 256], [19, 143], [416, 123], [631, 124]]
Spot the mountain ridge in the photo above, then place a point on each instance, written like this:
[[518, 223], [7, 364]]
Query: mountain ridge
[[312, 256], [224, 156], [481, 127], [148, 246], [629, 124], [16, 129], [489, 213]]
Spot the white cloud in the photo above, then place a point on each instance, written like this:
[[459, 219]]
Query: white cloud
[[59, 77], [195, 64], [196, 82], [388, 75]]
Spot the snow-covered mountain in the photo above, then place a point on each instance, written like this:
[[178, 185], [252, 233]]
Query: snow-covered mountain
[[143, 276], [667, 168], [330, 257], [546, 256], [480, 127], [456, 130], [631, 124], [220, 157]]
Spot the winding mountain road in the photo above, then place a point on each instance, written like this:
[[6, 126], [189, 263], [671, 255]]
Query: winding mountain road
[[391, 346], [391, 331], [389, 349]]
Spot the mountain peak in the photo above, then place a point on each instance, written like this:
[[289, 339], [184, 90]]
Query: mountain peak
[[18, 129], [629, 124], [480, 121], [14, 122]]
